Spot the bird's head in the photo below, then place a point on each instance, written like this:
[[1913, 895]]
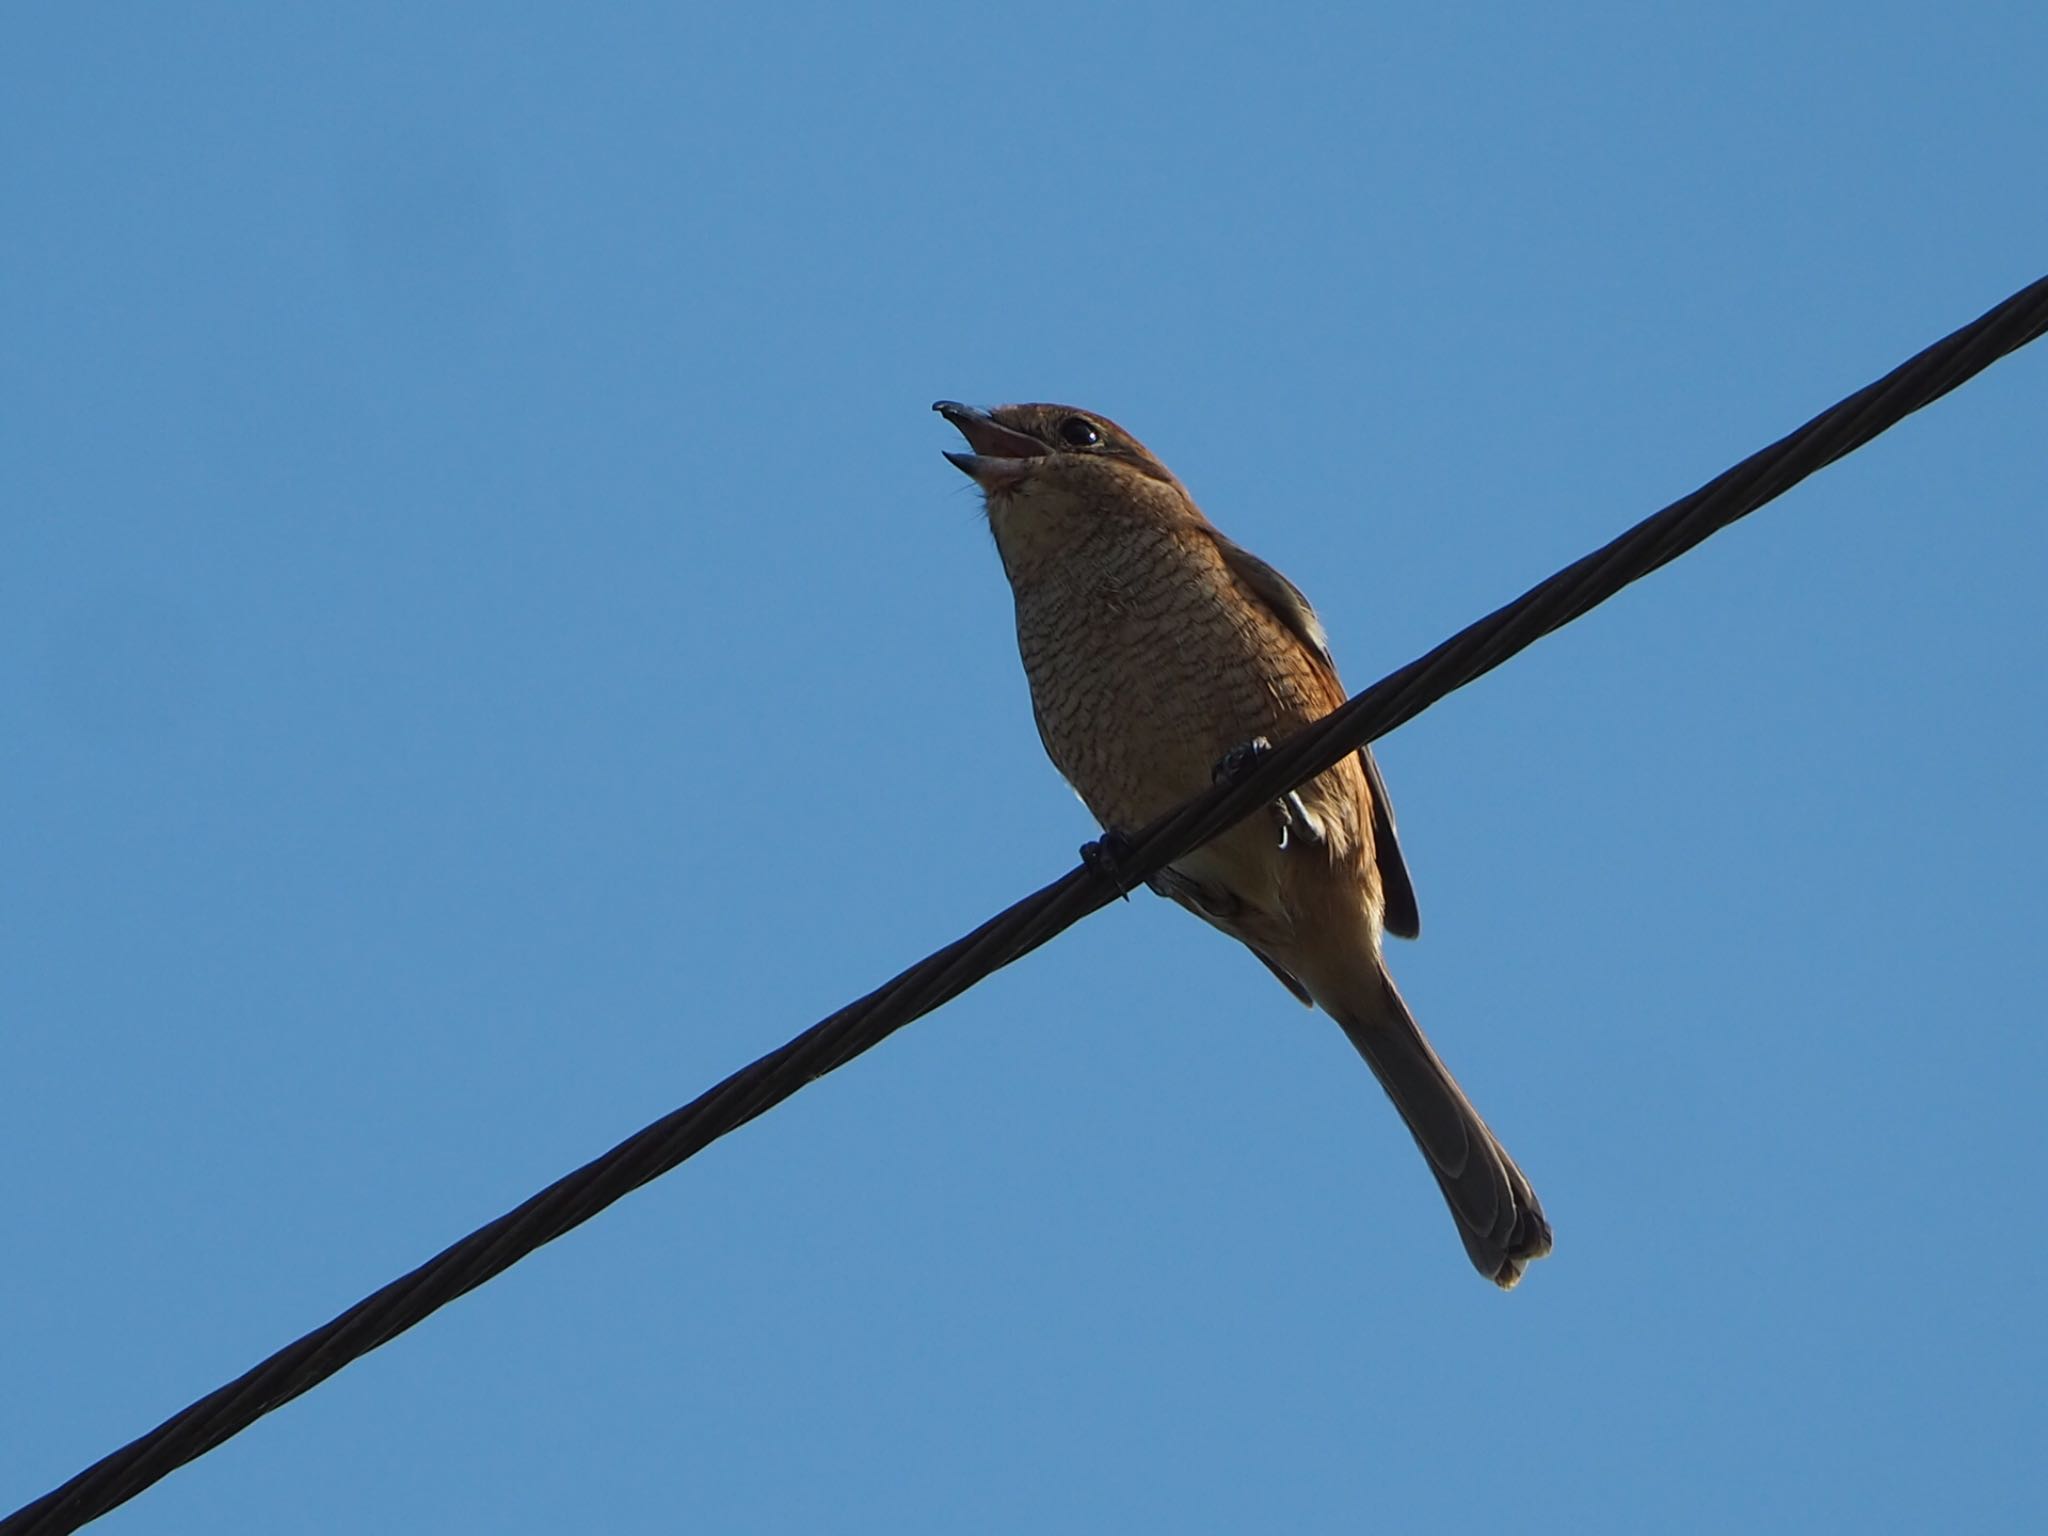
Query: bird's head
[[1051, 472]]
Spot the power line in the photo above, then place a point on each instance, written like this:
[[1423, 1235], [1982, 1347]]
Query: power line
[[1015, 932]]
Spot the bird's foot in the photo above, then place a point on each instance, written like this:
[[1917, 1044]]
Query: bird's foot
[[1107, 856], [1289, 813], [1240, 760]]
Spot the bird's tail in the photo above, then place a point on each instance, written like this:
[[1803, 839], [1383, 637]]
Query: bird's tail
[[1498, 1214]]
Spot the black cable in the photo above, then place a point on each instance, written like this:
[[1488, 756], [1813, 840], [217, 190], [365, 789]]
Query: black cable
[[753, 1090]]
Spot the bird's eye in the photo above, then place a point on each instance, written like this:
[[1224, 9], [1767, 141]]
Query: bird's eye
[[1079, 432]]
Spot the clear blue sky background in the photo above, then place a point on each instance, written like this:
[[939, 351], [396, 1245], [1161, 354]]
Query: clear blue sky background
[[488, 645]]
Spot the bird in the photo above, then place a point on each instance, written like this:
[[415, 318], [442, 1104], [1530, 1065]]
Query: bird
[[1162, 656]]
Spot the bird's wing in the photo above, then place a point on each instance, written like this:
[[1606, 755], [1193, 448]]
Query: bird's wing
[[1284, 599], [1403, 919]]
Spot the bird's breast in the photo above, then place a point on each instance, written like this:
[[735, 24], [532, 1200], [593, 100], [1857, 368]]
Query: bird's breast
[[1147, 663]]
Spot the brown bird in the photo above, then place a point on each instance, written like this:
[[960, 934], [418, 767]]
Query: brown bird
[[1160, 656]]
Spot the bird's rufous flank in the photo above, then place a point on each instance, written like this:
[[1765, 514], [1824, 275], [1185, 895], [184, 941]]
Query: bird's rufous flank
[[1159, 654]]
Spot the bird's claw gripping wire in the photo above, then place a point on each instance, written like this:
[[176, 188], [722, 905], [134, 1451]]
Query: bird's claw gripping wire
[[1288, 811], [1106, 856]]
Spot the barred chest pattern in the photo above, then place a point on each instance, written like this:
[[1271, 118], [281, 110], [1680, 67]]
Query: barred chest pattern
[[1147, 663]]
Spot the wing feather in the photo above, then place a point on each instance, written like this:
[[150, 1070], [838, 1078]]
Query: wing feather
[[1287, 604]]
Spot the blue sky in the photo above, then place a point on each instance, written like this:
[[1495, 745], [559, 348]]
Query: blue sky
[[488, 645]]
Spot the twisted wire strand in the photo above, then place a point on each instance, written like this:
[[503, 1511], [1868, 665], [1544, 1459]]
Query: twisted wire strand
[[1021, 928]]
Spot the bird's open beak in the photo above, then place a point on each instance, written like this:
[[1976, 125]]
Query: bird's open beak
[[1001, 457]]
